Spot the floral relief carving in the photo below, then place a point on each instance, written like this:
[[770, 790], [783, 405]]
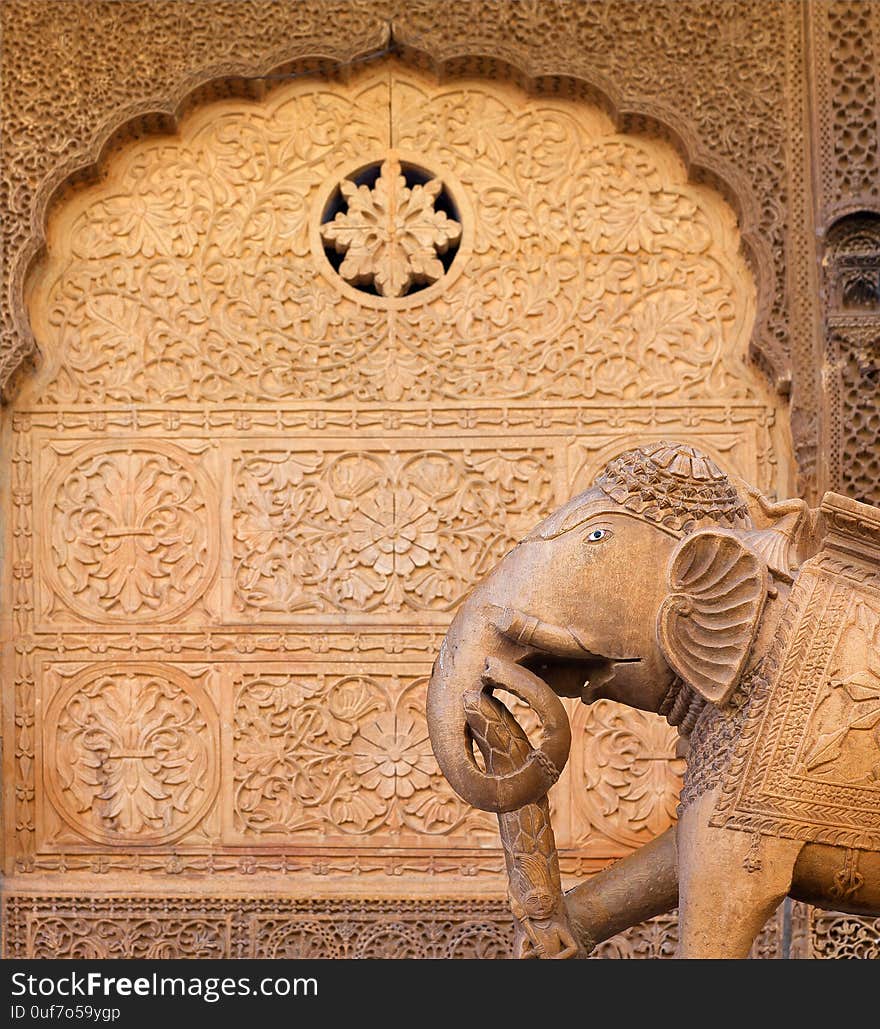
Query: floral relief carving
[[713, 112], [627, 780], [321, 756], [132, 533], [392, 758], [391, 234], [149, 937], [67, 83], [370, 531], [377, 454], [131, 753], [193, 276]]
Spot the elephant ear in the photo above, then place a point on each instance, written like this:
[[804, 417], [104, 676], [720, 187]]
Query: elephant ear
[[706, 625]]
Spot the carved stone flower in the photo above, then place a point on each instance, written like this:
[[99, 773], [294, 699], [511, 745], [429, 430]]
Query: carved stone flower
[[391, 234], [393, 756], [394, 532]]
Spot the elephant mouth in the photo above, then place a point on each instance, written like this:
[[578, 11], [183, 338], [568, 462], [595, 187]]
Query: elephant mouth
[[558, 654], [582, 677]]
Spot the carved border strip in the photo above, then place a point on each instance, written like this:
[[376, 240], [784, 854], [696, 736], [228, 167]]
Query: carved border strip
[[121, 926]]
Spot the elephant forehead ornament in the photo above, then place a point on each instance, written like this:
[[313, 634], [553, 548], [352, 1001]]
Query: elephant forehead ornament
[[753, 626], [676, 486]]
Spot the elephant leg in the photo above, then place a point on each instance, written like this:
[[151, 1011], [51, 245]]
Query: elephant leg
[[635, 888], [730, 883]]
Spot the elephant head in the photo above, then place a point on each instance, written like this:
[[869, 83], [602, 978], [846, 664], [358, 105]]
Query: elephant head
[[649, 586]]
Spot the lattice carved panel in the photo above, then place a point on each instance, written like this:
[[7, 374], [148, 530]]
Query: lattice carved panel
[[846, 36], [248, 926], [123, 926], [853, 350], [833, 935], [852, 330]]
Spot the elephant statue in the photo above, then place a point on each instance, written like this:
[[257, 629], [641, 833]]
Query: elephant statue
[[753, 626]]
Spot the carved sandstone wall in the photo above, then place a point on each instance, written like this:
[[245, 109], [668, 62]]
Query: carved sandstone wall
[[264, 454], [256, 479]]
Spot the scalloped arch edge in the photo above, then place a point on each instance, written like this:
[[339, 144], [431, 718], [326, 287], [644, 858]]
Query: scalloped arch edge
[[253, 80]]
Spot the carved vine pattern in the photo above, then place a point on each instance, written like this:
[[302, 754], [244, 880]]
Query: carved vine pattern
[[132, 754], [346, 755], [193, 276], [357, 531], [145, 938], [131, 532], [844, 936]]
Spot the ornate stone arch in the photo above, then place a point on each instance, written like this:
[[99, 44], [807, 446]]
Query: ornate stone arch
[[253, 79]]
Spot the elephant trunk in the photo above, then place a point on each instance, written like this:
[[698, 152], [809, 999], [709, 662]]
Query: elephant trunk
[[476, 658]]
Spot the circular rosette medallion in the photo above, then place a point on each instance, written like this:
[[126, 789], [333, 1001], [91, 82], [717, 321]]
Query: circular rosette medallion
[[133, 535], [391, 232], [131, 753]]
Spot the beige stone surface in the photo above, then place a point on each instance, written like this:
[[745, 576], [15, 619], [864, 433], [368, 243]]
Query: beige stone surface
[[257, 490], [164, 594]]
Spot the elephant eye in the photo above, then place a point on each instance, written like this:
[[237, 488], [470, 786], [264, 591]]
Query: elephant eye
[[598, 534]]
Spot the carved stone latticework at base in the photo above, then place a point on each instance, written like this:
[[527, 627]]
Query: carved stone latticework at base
[[260, 927], [833, 935], [181, 926]]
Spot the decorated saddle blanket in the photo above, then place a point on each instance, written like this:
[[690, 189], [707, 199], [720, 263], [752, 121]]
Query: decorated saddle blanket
[[807, 765]]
